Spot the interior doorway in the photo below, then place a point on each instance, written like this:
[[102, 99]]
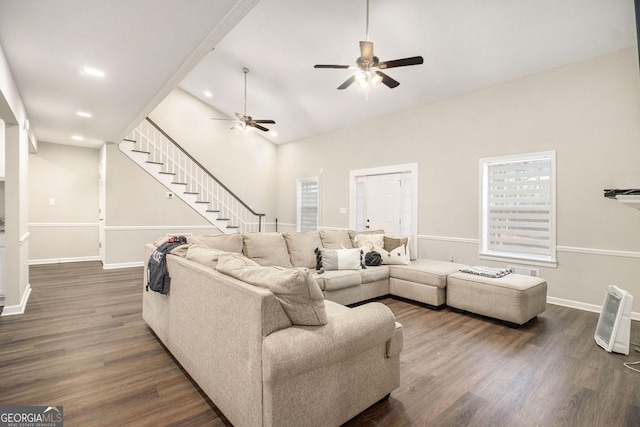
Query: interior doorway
[[385, 198]]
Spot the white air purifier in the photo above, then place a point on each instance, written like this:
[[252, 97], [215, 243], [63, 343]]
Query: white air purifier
[[614, 325]]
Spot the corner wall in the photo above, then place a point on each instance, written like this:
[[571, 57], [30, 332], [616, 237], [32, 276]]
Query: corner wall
[[588, 112], [63, 201]]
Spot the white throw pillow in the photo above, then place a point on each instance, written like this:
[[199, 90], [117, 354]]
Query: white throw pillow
[[340, 259], [397, 256]]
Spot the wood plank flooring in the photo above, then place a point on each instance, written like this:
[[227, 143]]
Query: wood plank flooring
[[82, 344]]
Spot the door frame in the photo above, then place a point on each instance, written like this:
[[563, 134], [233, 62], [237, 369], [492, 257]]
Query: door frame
[[410, 168]]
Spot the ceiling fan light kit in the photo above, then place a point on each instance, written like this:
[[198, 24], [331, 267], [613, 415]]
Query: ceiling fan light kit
[[244, 122], [369, 66]]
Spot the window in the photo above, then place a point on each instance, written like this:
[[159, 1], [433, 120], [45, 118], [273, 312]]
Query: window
[[518, 207], [307, 204]]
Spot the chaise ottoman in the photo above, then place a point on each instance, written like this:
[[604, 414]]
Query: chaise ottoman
[[514, 298]]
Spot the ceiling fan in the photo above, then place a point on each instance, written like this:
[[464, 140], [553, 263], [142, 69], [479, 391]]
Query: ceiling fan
[[245, 122], [369, 66]]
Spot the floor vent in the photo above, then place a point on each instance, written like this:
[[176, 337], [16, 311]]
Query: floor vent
[[534, 272]]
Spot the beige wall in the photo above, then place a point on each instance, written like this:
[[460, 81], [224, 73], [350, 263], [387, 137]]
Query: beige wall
[[246, 164], [138, 212], [67, 230], [588, 112]]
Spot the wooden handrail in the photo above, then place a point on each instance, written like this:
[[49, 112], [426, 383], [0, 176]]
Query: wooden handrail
[[259, 215]]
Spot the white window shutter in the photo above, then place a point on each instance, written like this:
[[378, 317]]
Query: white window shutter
[[308, 204], [518, 217]]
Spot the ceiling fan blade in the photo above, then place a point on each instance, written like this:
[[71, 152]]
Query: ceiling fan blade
[[388, 81], [366, 51], [257, 126], [264, 121], [342, 67], [241, 116], [414, 60], [216, 118], [347, 83]]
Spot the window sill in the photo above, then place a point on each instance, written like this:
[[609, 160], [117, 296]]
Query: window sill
[[519, 260]]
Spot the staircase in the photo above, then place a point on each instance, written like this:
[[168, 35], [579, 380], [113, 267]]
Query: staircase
[[157, 153]]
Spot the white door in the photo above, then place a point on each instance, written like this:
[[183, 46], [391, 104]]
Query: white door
[[383, 203], [385, 198]]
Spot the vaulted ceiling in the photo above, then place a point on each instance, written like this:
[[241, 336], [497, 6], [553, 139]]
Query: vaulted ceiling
[[147, 47]]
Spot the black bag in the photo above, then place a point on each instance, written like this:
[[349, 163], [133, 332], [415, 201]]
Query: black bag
[[158, 279], [372, 259]]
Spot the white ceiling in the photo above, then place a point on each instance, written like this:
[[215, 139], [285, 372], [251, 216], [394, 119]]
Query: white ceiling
[[142, 45]]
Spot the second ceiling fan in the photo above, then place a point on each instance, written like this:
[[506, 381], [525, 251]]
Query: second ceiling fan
[[369, 66], [245, 122]]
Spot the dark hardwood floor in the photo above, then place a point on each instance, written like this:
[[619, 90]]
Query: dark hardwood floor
[[82, 344]]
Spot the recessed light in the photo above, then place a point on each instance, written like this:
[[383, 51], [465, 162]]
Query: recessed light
[[208, 94], [83, 114], [273, 133], [93, 72], [77, 138]]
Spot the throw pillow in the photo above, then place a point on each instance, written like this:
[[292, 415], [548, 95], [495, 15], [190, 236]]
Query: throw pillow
[[368, 241], [396, 256], [392, 242], [203, 255], [339, 259], [298, 293]]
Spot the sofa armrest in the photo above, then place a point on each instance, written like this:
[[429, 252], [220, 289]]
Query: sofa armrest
[[349, 332]]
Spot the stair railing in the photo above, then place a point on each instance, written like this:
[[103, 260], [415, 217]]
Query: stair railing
[[149, 138]]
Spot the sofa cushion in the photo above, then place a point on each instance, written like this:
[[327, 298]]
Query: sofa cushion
[[222, 242], [295, 289], [373, 274], [203, 255], [425, 271], [337, 279], [336, 239], [301, 247], [339, 259], [267, 249]]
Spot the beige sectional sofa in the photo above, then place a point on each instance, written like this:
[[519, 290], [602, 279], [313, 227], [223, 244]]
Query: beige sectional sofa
[[268, 356]]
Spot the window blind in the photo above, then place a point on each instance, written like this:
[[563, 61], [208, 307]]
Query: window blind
[[518, 218], [308, 204]]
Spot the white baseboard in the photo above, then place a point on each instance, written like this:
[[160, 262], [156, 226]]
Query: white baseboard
[[61, 260], [583, 306], [11, 310], [122, 265]]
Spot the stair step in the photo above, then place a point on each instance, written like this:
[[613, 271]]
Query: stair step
[[202, 201], [212, 210], [154, 162], [191, 192], [179, 183], [167, 173], [223, 219], [233, 226], [140, 151]]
